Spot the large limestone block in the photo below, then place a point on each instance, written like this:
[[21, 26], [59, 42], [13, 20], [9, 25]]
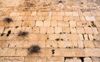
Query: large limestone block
[[88, 44], [95, 59], [10, 3], [35, 59], [92, 52], [69, 52], [92, 18], [55, 58], [21, 52], [7, 52], [73, 36], [87, 59], [97, 44]]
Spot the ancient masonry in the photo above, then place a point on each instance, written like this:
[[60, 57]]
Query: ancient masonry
[[49, 30]]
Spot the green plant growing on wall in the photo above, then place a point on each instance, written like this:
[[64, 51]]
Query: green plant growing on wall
[[62, 39], [34, 49], [57, 39], [94, 39], [16, 26], [70, 33], [8, 20], [89, 26]]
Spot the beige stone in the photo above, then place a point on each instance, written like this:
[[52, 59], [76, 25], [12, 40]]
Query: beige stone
[[35, 30], [47, 23], [95, 30], [7, 52], [30, 59], [88, 30], [1, 29], [72, 23], [95, 59], [75, 14], [55, 58], [33, 14], [69, 52], [80, 30], [41, 18], [32, 23], [97, 44], [90, 52], [73, 30], [43, 30], [88, 44], [86, 37], [58, 29], [68, 13], [87, 60], [53, 23], [73, 36], [66, 29], [21, 52], [39, 23], [80, 44], [90, 37], [50, 30], [54, 36], [57, 18], [41, 37], [63, 24]]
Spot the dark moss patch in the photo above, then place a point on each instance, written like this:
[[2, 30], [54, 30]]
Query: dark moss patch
[[34, 49], [8, 20]]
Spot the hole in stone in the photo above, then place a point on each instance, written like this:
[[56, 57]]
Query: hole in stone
[[53, 51], [34, 49], [60, 1], [9, 32], [8, 20], [92, 23], [82, 59], [83, 36], [2, 34], [23, 33]]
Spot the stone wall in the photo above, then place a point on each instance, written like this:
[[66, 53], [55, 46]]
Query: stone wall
[[64, 31]]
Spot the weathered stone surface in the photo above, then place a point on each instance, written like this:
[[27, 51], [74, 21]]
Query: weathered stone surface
[[97, 44], [89, 44], [7, 52], [92, 52], [69, 52]]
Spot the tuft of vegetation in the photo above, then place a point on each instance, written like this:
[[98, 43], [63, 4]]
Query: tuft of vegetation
[[32, 27], [34, 49], [62, 39], [8, 20], [75, 47], [70, 33], [16, 26], [23, 33], [64, 32], [57, 39], [68, 47], [94, 39], [60, 33], [89, 26], [50, 45]]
